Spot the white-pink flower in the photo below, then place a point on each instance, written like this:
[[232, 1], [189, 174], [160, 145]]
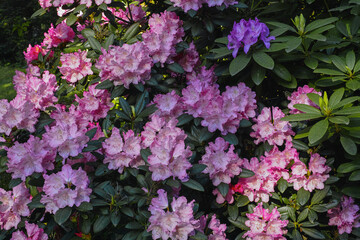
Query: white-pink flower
[[75, 66], [300, 97]]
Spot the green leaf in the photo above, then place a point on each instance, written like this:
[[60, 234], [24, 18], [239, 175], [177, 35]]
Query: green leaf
[[101, 223], [348, 167], [105, 85], [38, 12], [282, 72], [87, 32], [352, 191], [242, 201], [264, 60], [257, 74], [282, 185], [223, 189], [246, 173], [198, 168], [299, 145], [85, 206], [109, 41], [71, 19], [293, 44], [315, 98], [316, 36], [349, 145], [307, 108], [350, 59], [296, 234], [340, 120], [194, 185], [348, 111], [231, 138], [132, 31], [328, 71], [319, 195], [220, 52], [94, 43], [175, 67], [303, 196], [291, 213], [339, 63], [353, 84], [336, 97], [62, 215], [320, 23], [303, 215], [318, 131], [125, 107], [311, 62], [355, 176], [313, 233], [233, 211], [115, 218], [239, 63], [147, 111], [133, 225], [301, 117]]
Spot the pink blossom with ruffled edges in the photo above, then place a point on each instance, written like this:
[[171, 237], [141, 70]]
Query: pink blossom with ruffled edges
[[66, 188], [55, 36], [32, 53], [176, 224], [122, 151], [75, 66], [169, 154], [345, 216], [312, 177], [164, 33], [269, 127], [33, 232], [218, 229], [137, 14], [300, 97], [188, 59], [168, 105], [264, 224], [13, 206], [126, 64], [221, 162]]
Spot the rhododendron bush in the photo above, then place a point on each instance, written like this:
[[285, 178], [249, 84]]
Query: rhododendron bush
[[186, 119]]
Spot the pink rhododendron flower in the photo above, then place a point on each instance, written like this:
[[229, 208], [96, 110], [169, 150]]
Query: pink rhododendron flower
[[95, 103], [189, 59], [66, 188], [246, 33], [176, 224], [55, 36], [218, 230], [33, 232], [169, 155], [220, 199], [13, 206], [300, 97], [75, 66], [312, 177], [270, 128], [164, 33], [345, 216], [121, 152], [36, 88], [137, 14], [32, 53], [125, 65], [221, 161], [264, 224], [227, 3], [187, 5], [169, 105], [33, 156]]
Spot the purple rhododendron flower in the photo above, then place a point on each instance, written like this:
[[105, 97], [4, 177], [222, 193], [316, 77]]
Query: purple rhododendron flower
[[33, 232], [246, 33]]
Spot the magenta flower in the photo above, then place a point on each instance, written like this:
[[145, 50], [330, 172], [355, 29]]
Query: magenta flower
[[33, 232], [345, 216], [264, 224], [218, 230], [66, 188], [176, 224], [246, 33], [126, 64], [55, 36], [75, 66], [300, 97], [221, 161], [269, 127], [32, 53], [169, 105], [189, 59]]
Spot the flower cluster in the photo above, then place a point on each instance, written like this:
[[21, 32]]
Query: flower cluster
[[269, 127], [169, 105], [68, 133], [33, 156], [66, 188], [221, 162], [13, 206], [137, 13], [224, 111], [176, 224], [187, 5], [126, 64], [166, 141], [95, 103], [55, 36], [218, 230], [264, 224], [33, 232], [32, 53], [122, 153], [345, 216], [36, 88], [312, 177], [246, 33], [300, 97], [164, 33], [189, 58], [75, 66], [59, 3]]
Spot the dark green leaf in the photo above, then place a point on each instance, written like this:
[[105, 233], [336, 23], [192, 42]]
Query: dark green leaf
[[318, 131], [257, 74], [223, 189], [299, 145], [233, 211], [147, 111], [101, 223], [175, 67], [336, 97], [303, 215], [109, 41], [316, 36], [320, 23], [293, 44], [105, 85], [91, 133], [85, 206], [133, 225], [265, 61], [239, 63], [94, 43], [183, 119], [311, 62], [194, 185], [340, 120], [132, 31], [125, 107], [348, 111], [352, 191], [339, 63], [328, 71], [349, 145], [303, 196], [319, 195], [231, 138], [315, 98], [349, 167], [246, 173], [282, 72], [242, 201], [301, 117], [355, 176], [313, 233], [345, 101], [307, 108], [350, 59], [115, 218], [198, 168], [282, 185], [71, 19], [62, 215]]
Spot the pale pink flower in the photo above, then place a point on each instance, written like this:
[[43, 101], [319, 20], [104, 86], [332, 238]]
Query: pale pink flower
[[168, 105], [33, 232], [75, 66], [300, 97]]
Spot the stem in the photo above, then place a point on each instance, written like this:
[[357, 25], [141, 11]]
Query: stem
[[327, 8], [128, 7]]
